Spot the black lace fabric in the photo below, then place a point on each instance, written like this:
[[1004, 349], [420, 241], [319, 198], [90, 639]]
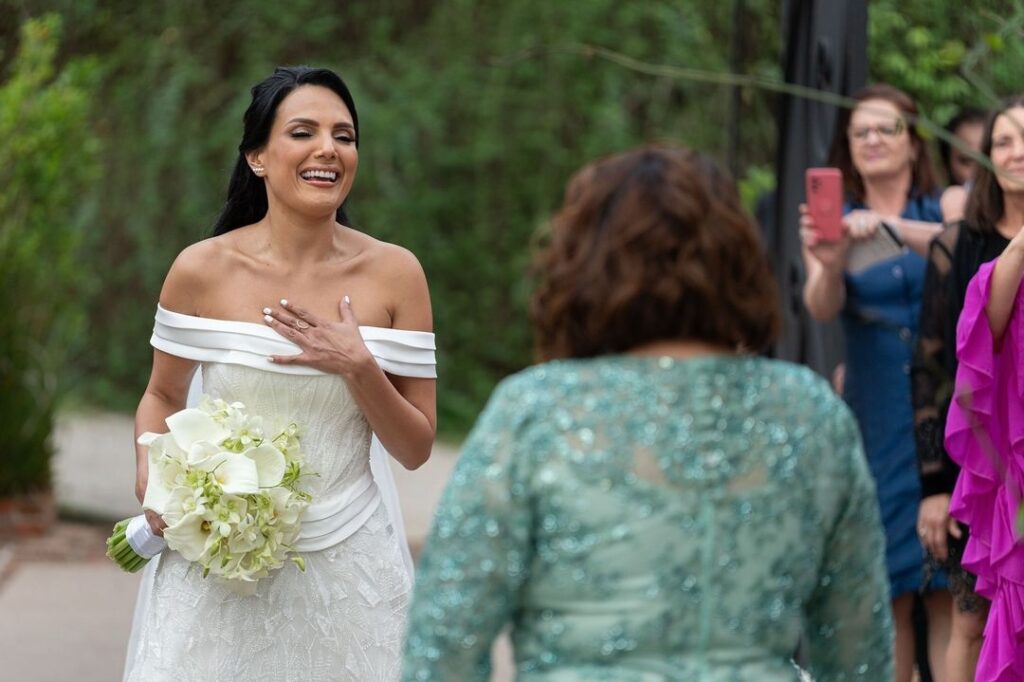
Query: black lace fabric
[[954, 258], [934, 367]]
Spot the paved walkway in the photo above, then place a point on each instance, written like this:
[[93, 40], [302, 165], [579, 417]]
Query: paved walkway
[[65, 610]]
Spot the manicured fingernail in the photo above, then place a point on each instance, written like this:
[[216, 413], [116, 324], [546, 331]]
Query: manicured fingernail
[[347, 300], [284, 301], [268, 318], [266, 311], [270, 359]]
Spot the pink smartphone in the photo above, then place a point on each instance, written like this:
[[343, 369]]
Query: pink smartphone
[[825, 202]]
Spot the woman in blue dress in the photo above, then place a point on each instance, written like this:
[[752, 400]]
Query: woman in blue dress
[[888, 179]]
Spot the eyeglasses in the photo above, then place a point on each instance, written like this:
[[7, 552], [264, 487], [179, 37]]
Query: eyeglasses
[[885, 131]]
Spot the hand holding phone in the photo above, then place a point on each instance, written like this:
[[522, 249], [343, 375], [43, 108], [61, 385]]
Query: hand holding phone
[[824, 187]]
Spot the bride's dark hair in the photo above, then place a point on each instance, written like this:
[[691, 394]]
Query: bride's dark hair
[[247, 194]]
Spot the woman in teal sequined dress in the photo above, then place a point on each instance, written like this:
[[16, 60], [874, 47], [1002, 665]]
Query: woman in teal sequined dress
[[654, 503]]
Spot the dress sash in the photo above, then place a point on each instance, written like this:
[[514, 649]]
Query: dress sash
[[328, 521]]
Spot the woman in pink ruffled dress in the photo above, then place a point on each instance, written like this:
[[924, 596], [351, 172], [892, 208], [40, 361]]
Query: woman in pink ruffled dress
[[985, 425]]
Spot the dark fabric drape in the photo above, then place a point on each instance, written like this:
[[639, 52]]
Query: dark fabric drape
[[825, 43]]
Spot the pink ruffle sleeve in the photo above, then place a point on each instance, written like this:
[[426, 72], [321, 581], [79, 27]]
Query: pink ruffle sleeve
[[985, 436]]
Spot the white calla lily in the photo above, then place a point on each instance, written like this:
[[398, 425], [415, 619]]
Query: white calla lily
[[157, 495], [270, 464], [191, 426], [189, 536], [161, 444], [201, 451], [236, 474], [164, 469], [147, 438]]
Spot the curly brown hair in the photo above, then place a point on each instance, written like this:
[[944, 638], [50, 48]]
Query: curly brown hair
[[652, 245]]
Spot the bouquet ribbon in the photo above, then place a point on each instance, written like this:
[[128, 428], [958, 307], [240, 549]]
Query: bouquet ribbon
[[142, 539], [133, 543]]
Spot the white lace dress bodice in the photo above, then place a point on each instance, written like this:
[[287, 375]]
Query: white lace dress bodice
[[344, 617]]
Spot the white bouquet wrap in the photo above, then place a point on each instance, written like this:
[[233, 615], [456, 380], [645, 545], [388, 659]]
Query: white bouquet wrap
[[228, 493]]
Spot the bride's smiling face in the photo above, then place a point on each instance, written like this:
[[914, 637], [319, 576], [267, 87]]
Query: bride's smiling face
[[310, 157]]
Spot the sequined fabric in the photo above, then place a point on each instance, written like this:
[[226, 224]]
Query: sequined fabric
[[642, 519]]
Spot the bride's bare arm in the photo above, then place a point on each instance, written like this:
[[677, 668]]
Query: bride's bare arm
[[165, 395], [400, 410], [170, 377]]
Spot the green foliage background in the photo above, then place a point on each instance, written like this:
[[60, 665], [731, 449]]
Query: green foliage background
[[474, 114], [47, 156]]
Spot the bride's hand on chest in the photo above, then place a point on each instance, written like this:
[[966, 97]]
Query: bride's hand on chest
[[331, 347]]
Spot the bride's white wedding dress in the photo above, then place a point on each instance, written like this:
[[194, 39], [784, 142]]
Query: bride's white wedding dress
[[344, 617]]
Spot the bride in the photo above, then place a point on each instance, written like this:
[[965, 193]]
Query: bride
[[301, 318]]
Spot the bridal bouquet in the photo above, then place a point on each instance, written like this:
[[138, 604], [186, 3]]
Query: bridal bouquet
[[228, 492]]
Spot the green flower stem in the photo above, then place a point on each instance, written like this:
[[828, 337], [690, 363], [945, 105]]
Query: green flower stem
[[120, 550]]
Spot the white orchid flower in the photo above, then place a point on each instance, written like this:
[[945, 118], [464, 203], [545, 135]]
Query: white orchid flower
[[236, 474], [184, 500], [248, 536], [191, 426], [270, 464], [231, 570], [227, 514], [286, 505]]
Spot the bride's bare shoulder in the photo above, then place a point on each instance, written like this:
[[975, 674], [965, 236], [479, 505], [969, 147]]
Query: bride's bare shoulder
[[398, 271], [396, 263], [196, 270]]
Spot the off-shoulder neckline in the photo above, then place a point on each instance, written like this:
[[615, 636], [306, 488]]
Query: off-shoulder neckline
[[220, 322]]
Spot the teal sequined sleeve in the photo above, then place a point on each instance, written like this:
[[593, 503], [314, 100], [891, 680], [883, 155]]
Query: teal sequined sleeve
[[849, 619], [477, 554]]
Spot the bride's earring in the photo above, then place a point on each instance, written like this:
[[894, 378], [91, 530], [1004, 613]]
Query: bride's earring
[[259, 171]]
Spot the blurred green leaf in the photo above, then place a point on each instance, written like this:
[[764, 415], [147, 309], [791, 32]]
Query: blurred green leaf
[[474, 114], [48, 161]]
